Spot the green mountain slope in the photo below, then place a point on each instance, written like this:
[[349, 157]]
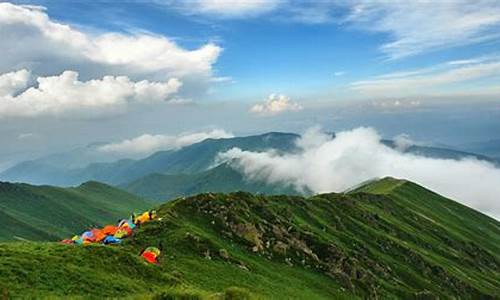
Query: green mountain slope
[[222, 178], [387, 239], [50, 213]]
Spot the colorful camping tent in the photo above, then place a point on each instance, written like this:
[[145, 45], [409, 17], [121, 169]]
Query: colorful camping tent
[[88, 236], [98, 235], [124, 231], [146, 217], [150, 254], [111, 240], [110, 229], [111, 234]]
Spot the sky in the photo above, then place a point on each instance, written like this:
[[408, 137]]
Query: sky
[[146, 73]]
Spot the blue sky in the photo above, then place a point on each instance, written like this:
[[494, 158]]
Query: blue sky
[[76, 72], [273, 52]]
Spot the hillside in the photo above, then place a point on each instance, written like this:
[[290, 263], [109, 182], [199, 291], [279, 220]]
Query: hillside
[[388, 238], [222, 178], [191, 159], [50, 213]]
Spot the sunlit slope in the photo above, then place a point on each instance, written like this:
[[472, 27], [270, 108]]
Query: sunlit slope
[[389, 238], [50, 213], [442, 212]]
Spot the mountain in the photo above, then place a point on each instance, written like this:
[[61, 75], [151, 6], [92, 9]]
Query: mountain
[[191, 159], [387, 238], [51, 213], [58, 168], [188, 160], [490, 148], [222, 178], [444, 153]]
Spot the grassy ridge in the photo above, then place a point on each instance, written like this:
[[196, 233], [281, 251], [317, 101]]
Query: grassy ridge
[[222, 178], [387, 239], [50, 213]]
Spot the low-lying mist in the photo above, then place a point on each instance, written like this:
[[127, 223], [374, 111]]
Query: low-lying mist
[[326, 164]]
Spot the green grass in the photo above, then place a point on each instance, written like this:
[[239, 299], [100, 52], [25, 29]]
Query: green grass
[[386, 239], [50, 213]]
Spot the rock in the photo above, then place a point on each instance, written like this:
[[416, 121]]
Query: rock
[[280, 248], [243, 267], [249, 233], [223, 253]]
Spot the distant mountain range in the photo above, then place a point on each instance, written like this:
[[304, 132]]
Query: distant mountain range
[[386, 239], [191, 159], [51, 213], [489, 148], [187, 171]]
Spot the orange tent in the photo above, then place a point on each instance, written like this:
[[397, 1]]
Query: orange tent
[[109, 229], [98, 235]]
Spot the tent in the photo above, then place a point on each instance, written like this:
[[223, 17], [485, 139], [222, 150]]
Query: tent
[[110, 229], [98, 235], [150, 254], [88, 236], [146, 217], [124, 231], [129, 223], [111, 240]]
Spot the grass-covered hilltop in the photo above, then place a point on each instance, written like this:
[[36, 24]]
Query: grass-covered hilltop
[[386, 239], [29, 212]]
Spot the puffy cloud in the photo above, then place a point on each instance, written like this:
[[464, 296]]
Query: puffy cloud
[[48, 47], [415, 82], [229, 8], [274, 105], [403, 142], [65, 94], [328, 164], [147, 143], [13, 82], [421, 26]]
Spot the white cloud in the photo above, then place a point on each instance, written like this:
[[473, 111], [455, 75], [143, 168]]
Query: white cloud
[[333, 165], [13, 82], [66, 95], [275, 104], [229, 8], [337, 74], [403, 142], [427, 80], [147, 143], [48, 47], [24, 136], [420, 26]]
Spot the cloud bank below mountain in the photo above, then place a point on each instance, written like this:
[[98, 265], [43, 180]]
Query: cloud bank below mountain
[[327, 164]]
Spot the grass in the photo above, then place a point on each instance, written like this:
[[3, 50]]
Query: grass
[[50, 213], [387, 239]]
